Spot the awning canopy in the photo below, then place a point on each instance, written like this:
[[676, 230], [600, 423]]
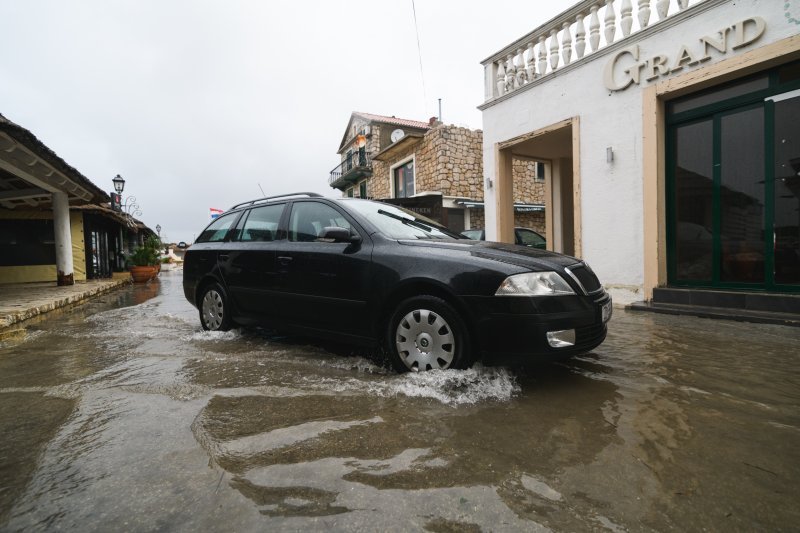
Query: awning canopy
[[30, 172], [518, 207]]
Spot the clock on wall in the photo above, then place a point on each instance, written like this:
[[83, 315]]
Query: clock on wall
[[397, 135]]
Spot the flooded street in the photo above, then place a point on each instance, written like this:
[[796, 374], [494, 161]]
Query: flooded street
[[122, 414]]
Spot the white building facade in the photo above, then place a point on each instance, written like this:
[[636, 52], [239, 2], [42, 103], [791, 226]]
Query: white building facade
[[670, 131]]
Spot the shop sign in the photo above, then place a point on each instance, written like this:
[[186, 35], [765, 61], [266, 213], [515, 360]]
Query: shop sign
[[725, 40], [429, 206]]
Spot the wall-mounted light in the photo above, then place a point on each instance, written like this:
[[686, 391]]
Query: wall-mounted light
[[609, 155]]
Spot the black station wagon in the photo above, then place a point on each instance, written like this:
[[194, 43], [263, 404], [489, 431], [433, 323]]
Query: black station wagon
[[371, 273]]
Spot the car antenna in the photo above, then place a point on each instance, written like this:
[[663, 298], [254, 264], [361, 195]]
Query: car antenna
[[262, 190]]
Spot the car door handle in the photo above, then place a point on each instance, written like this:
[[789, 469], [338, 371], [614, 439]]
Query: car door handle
[[284, 260], [223, 257]]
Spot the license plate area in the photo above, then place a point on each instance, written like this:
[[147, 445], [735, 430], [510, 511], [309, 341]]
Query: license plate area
[[606, 311]]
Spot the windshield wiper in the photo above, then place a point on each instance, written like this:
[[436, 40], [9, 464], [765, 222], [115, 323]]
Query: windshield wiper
[[407, 221]]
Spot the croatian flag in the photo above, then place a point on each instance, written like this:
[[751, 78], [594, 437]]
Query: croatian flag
[[215, 212]]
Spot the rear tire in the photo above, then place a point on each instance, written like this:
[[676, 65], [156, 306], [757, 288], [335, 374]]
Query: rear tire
[[214, 309], [426, 333]]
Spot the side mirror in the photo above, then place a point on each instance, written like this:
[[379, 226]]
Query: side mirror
[[337, 234]]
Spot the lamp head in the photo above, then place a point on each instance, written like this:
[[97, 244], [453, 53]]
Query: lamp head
[[119, 184]]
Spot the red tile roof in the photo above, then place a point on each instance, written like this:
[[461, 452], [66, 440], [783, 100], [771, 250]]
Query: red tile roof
[[394, 120]]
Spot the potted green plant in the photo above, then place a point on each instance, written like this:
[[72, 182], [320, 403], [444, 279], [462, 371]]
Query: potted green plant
[[145, 260]]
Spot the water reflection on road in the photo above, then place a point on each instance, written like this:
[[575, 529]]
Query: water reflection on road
[[122, 413]]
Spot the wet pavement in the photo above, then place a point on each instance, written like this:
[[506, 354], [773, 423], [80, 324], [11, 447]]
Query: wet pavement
[[122, 414]]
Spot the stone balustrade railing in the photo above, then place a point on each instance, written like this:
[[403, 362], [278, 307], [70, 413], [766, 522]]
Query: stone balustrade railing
[[570, 37]]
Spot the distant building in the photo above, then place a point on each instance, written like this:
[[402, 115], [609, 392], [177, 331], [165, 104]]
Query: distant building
[[431, 168]]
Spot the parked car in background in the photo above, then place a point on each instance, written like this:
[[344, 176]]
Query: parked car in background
[[376, 274], [522, 236]]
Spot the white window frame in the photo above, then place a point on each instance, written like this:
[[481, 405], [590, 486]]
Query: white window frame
[[398, 165]]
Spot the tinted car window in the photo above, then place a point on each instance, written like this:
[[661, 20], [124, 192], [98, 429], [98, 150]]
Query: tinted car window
[[216, 231], [398, 223], [310, 218], [530, 238], [262, 223], [474, 234]]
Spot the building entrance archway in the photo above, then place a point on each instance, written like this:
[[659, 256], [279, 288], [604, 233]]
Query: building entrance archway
[[557, 146]]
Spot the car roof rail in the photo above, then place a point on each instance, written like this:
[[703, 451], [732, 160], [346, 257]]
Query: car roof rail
[[268, 198]]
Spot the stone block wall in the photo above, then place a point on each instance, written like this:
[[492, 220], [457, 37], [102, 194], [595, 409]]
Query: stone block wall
[[527, 187], [453, 162], [534, 221], [448, 159], [477, 218]]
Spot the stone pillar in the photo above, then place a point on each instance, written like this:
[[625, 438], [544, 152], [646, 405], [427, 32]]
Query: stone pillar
[[63, 237]]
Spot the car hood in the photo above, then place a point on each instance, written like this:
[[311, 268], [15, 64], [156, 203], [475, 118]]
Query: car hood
[[521, 256]]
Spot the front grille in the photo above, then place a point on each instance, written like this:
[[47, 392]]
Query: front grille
[[586, 278]]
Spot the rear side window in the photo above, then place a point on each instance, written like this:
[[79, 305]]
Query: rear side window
[[216, 231], [310, 218], [262, 224]]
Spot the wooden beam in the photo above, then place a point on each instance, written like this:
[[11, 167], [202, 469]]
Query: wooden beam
[[21, 194]]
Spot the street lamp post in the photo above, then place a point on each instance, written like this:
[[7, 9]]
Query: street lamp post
[[119, 184]]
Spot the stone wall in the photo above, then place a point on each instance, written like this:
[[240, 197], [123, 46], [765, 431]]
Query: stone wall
[[453, 163], [534, 221], [477, 219], [448, 159], [528, 188]]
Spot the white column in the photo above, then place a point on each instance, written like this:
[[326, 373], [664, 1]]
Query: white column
[[63, 236]]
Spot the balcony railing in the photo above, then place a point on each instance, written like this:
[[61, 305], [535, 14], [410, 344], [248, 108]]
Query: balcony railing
[[563, 40], [352, 168]]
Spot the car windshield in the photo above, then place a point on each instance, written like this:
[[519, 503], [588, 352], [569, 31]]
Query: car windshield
[[398, 223]]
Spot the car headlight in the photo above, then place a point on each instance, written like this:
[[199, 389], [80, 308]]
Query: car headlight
[[534, 284]]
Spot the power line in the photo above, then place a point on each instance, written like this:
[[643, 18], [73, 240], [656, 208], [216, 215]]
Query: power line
[[419, 52]]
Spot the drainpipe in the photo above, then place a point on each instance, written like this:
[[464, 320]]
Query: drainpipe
[[63, 237]]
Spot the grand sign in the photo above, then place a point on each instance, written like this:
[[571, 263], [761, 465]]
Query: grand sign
[[625, 68]]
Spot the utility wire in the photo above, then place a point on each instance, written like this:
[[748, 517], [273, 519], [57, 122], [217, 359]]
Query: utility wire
[[419, 52]]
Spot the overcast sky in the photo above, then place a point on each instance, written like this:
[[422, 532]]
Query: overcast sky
[[196, 103]]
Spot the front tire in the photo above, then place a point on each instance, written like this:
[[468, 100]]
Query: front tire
[[426, 333], [214, 309]]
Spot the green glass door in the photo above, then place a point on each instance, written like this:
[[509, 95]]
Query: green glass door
[[741, 212], [734, 197]]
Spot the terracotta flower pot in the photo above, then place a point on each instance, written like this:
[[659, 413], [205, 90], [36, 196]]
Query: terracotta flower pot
[[141, 274]]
